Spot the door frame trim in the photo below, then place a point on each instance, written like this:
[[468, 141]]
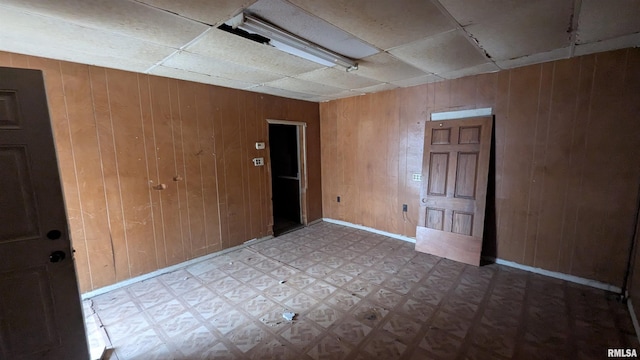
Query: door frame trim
[[302, 165]]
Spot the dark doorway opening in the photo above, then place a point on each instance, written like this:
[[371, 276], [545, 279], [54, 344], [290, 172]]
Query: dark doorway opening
[[284, 145]]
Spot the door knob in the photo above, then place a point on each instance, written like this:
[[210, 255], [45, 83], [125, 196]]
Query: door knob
[[57, 256]]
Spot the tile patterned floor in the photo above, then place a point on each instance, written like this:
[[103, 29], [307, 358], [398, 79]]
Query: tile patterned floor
[[357, 295]]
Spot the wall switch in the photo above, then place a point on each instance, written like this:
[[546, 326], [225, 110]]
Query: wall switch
[[417, 177], [260, 145], [258, 162], [338, 199], [404, 208]]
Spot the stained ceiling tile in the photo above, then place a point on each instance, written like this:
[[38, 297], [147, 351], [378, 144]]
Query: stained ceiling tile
[[441, 53], [206, 11], [602, 20], [122, 17], [478, 69], [384, 24], [535, 58], [303, 86], [48, 37], [426, 79], [386, 68], [536, 27], [201, 78], [338, 78], [622, 42], [228, 70], [222, 45]]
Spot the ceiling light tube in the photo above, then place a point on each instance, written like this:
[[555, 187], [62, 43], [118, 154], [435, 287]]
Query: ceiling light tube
[[300, 46]]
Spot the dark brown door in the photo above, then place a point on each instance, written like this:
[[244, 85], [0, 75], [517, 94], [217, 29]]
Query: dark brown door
[[40, 311], [455, 168]]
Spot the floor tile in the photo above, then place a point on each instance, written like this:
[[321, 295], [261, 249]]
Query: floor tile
[[355, 296]]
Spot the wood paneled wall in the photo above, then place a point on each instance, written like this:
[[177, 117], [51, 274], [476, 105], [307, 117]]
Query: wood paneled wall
[[567, 160], [119, 135]]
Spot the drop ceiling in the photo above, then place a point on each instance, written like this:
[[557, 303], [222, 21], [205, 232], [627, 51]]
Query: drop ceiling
[[406, 42]]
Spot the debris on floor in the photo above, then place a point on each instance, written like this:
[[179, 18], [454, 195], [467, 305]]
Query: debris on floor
[[283, 281], [288, 315]]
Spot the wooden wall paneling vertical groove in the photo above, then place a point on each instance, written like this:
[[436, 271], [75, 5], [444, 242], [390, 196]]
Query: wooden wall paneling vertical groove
[[170, 244], [329, 157], [563, 131], [216, 95], [252, 186], [232, 153], [128, 136], [391, 175], [244, 160], [539, 167], [177, 179], [577, 162], [192, 175], [207, 163], [553, 172], [82, 125], [413, 115], [151, 155]]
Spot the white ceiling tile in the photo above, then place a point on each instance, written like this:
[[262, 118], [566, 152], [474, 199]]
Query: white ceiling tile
[[536, 27], [622, 42], [282, 92], [342, 95], [228, 70], [478, 69], [376, 88], [338, 78], [222, 45], [441, 53], [48, 37], [602, 20], [303, 86], [386, 68], [480, 11], [299, 22], [206, 11], [122, 17], [535, 58], [384, 24], [426, 79], [201, 78]]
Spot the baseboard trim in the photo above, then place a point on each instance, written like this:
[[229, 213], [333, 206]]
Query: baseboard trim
[[571, 278], [169, 269], [369, 229], [553, 274], [634, 319]]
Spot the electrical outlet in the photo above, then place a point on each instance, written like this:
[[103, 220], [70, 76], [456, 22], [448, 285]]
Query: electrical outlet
[[338, 198], [404, 208], [417, 177], [258, 162]]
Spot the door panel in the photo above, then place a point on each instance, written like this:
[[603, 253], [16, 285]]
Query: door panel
[[40, 311], [456, 165]]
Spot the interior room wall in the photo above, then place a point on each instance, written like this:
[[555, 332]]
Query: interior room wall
[[567, 169], [119, 135]]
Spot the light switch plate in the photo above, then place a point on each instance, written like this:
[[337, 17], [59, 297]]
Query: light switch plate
[[260, 145]]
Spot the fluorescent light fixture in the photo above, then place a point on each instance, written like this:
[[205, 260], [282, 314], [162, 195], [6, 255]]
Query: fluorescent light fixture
[[292, 44]]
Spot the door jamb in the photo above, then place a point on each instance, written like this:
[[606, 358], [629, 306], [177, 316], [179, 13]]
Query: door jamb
[[302, 165]]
